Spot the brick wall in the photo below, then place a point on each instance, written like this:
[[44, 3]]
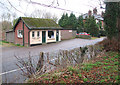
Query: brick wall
[[19, 27], [68, 34], [26, 30]]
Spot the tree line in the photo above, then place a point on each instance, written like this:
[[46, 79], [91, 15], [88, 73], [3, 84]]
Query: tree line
[[89, 25]]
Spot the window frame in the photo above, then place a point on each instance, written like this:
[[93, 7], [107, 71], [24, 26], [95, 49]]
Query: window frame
[[51, 35], [32, 34], [38, 32], [20, 33]]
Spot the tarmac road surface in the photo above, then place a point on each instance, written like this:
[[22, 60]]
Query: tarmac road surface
[[11, 73]]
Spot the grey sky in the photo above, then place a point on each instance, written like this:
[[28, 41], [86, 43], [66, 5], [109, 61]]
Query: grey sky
[[23, 8]]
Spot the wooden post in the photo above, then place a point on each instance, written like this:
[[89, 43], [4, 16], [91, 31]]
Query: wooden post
[[40, 62]]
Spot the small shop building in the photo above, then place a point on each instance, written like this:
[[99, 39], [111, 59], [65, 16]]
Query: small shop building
[[31, 31]]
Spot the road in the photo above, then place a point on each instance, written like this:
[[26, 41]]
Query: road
[[11, 73]]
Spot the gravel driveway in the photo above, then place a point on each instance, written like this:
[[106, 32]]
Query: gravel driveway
[[8, 53]]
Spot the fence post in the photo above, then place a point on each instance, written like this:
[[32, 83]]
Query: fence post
[[40, 62]]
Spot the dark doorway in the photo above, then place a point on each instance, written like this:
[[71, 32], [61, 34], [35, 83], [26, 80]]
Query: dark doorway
[[43, 36], [57, 35]]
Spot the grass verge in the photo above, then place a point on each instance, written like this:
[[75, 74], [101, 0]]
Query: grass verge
[[8, 44], [103, 69], [93, 38]]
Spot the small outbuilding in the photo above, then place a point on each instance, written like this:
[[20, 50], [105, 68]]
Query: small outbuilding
[[30, 31], [10, 36]]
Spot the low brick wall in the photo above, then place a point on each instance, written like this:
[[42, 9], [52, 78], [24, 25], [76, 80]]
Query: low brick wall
[[68, 34]]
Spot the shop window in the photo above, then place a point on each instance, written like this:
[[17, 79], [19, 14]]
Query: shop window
[[38, 33], [33, 34], [51, 34]]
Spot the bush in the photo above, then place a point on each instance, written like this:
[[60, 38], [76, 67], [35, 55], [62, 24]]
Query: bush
[[17, 44], [5, 41], [111, 44], [102, 33], [83, 36]]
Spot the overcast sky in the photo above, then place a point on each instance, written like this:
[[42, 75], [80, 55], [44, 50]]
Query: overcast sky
[[23, 8]]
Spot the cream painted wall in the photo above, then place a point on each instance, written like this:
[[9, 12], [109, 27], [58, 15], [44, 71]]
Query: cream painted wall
[[35, 40], [59, 35]]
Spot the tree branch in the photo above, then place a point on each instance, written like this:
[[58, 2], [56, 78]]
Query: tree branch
[[15, 7]]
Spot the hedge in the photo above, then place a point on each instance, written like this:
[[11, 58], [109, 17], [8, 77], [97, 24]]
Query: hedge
[[83, 36]]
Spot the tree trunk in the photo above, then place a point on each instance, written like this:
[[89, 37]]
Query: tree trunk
[[40, 62]]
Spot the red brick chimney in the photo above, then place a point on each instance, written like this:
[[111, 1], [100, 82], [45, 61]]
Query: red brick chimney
[[95, 11], [102, 14]]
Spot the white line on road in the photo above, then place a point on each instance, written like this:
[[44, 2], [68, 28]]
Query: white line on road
[[18, 69], [11, 71]]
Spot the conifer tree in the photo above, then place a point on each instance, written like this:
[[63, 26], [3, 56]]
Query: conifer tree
[[80, 24], [110, 19], [63, 22], [72, 21], [91, 26], [60, 22]]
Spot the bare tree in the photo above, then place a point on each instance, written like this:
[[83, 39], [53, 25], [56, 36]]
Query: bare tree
[[55, 18], [54, 4], [43, 14], [6, 26], [6, 21], [48, 15]]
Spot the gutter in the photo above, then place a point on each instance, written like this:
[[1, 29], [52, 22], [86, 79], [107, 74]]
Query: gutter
[[29, 38]]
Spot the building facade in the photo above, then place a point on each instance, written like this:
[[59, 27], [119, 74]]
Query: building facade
[[97, 17], [31, 31]]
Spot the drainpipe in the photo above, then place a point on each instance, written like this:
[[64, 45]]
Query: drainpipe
[[28, 38], [23, 33]]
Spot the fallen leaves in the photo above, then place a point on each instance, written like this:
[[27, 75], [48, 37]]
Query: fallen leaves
[[99, 73]]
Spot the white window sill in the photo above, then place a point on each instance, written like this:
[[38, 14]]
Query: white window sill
[[20, 37], [51, 38], [33, 37], [38, 37]]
